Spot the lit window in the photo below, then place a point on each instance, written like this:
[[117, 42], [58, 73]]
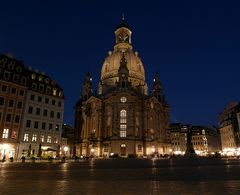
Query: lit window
[[42, 138], [5, 133], [60, 94], [55, 140], [54, 92], [123, 133], [49, 139], [123, 99], [34, 138], [123, 123], [26, 136]]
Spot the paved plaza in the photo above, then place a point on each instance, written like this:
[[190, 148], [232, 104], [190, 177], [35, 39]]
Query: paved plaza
[[122, 176]]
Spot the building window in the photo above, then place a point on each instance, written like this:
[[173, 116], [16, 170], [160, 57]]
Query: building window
[[34, 86], [57, 127], [53, 102], [123, 131], [34, 138], [15, 78], [14, 135], [10, 103], [28, 123], [55, 141], [25, 138], [50, 126], [48, 90], [19, 105], [13, 90], [24, 81], [41, 88], [39, 99], [123, 123], [49, 139], [33, 76], [52, 114], [36, 124], [17, 118], [8, 117], [1, 101], [21, 92], [54, 92], [32, 97], [4, 88], [43, 125], [46, 101], [5, 133], [60, 94], [58, 115], [45, 112], [6, 75], [42, 138], [139, 148], [40, 78], [30, 109], [59, 104], [38, 111]]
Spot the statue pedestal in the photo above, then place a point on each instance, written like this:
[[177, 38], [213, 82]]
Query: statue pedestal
[[190, 152]]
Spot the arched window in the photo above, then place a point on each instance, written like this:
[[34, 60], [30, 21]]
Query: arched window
[[123, 123]]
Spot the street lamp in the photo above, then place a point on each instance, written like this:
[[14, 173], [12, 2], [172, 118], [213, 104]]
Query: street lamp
[[65, 150]]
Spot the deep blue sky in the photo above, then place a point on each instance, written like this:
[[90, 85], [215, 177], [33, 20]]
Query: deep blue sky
[[195, 45]]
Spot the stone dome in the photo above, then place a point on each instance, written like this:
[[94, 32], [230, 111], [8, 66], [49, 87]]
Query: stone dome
[[111, 64]]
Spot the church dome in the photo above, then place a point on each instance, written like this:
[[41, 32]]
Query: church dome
[[111, 64]]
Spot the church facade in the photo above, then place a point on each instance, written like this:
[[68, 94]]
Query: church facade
[[122, 118]]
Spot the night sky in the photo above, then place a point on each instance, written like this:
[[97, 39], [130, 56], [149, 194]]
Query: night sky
[[194, 45]]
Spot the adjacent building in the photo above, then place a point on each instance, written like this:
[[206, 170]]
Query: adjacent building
[[122, 118], [13, 91], [68, 132], [229, 121], [31, 110], [178, 137], [205, 139], [43, 120]]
